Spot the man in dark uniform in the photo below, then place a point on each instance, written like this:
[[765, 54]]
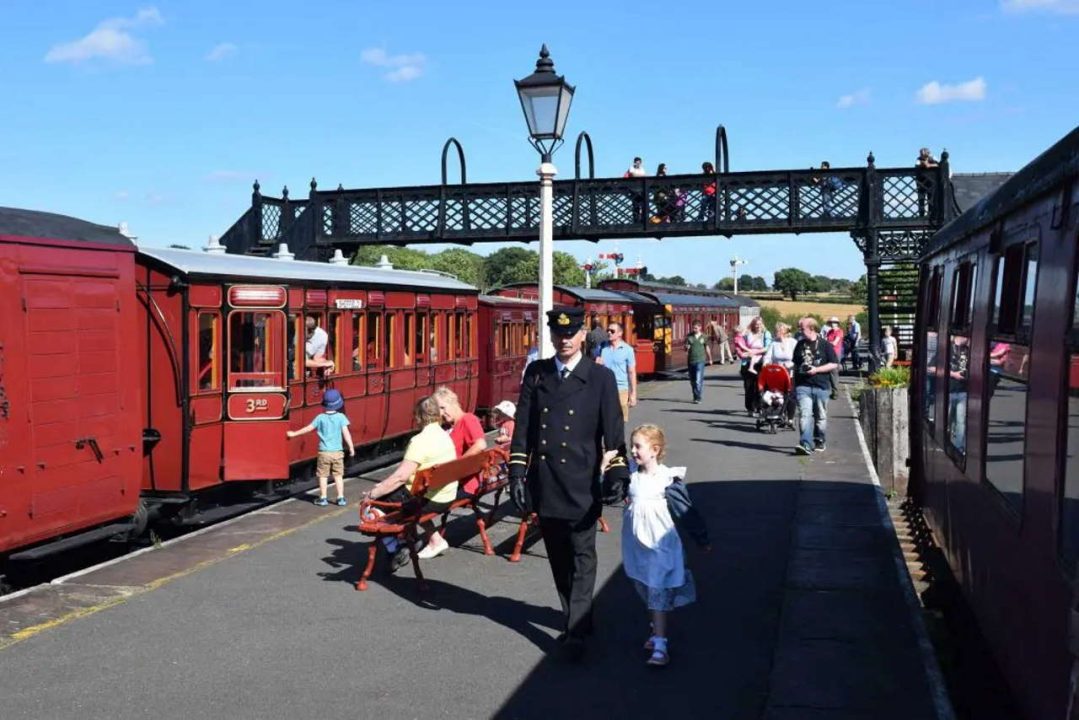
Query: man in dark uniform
[[569, 426]]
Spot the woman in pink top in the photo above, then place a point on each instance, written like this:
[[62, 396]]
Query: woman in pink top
[[465, 431]]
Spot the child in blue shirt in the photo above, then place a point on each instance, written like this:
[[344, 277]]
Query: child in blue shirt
[[332, 428]]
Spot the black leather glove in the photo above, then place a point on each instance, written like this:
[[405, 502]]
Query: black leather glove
[[615, 484], [519, 495]]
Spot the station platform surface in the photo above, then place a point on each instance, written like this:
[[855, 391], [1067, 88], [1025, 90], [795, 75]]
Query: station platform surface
[[804, 608]]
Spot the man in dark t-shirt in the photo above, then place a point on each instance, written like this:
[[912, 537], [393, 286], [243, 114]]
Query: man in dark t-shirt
[[814, 360]]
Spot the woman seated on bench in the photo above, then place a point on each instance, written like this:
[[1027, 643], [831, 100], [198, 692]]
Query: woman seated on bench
[[431, 446]]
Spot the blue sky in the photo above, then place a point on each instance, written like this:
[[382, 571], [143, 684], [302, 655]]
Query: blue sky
[[162, 114]]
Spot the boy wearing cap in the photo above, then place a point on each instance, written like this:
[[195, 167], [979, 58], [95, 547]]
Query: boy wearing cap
[[502, 414], [333, 434]]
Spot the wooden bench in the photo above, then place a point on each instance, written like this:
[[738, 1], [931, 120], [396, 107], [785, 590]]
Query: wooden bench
[[401, 520]]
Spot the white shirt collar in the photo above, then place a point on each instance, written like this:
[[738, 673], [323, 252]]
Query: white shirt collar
[[572, 364]]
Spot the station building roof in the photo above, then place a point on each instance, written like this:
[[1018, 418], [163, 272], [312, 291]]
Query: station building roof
[[190, 262]]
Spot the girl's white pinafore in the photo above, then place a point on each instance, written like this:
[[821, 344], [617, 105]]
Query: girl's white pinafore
[[652, 553]]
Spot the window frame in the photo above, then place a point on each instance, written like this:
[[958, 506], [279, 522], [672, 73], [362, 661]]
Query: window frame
[[216, 364]]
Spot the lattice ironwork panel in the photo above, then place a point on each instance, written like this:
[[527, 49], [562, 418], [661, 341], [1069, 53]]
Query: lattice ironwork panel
[[759, 202], [271, 221], [609, 204], [525, 209], [362, 218], [487, 212], [421, 215], [899, 198], [828, 197], [902, 245]]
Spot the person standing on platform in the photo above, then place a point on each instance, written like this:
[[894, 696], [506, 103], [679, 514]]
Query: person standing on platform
[[697, 351], [853, 337], [719, 333], [622, 361], [333, 436], [597, 338], [814, 360], [569, 430], [834, 335]]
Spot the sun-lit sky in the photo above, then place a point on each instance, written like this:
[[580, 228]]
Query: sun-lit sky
[[161, 115]]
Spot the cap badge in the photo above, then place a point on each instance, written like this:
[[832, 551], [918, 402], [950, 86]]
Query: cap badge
[[563, 319]]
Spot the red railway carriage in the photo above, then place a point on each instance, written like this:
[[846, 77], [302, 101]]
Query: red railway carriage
[[70, 433], [227, 371], [602, 306], [667, 314], [995, 421], [507, 331]]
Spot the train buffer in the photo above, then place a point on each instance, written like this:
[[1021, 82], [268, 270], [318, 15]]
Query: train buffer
[[804, 608]]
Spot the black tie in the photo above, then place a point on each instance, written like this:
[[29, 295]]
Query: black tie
[[565, 373]]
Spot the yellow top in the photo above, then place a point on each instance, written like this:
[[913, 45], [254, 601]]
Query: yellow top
[[433, 446]]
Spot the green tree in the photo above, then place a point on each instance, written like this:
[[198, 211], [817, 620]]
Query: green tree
[[759, 283], [819, 284], [726, 285], [567, 270], [745, 283], [859, 291], [672, 280], [402, 258], [510, 265], [792, 282], [465, 265]]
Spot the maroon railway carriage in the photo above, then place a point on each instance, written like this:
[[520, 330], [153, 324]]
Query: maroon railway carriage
[[226, 377], [995, 421], [507, 331], [603, 306], [70, 429], [668, 314]]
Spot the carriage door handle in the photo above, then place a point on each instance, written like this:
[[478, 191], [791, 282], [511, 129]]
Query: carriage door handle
[[92, 442]]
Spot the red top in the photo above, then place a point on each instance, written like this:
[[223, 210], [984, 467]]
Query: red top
[[835, 337], [505, 428], [465, 432]]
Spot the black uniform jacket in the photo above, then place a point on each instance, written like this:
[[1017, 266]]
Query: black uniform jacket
[[563, 428]]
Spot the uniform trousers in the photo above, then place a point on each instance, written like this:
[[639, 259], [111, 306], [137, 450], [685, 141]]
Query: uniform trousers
[[571, 552]]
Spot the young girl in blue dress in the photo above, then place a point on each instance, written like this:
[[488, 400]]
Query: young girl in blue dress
[[652, 552]]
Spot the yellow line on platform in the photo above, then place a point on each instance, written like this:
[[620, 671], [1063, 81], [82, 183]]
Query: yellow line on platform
[[29, 632]]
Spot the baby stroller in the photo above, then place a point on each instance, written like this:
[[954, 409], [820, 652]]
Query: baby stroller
[[774, 393]]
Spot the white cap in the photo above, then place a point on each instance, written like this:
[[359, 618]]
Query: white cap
[[283, 252], [506, 408]]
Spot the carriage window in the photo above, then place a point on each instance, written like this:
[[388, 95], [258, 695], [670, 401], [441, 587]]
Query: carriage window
[[374, 347], [470, 351], [334, 332], [389, 337], [437, 333], [1009, 290], [296, 342], [1008, 366], [1069, 506], [421, 338], [406, 337], [459, 341], [209, 368], [932, 316], [256, 356], [962, 295], [1030, 278], [958, 376], [357, 338]]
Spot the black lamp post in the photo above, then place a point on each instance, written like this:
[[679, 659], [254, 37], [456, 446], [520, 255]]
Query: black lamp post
[[545, 99]]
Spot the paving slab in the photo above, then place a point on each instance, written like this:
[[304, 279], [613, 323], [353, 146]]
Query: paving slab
[[801, 610]]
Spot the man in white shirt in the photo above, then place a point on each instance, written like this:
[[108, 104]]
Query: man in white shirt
[[315, 348]]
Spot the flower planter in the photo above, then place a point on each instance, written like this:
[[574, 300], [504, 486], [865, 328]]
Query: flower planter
[[884, 415]]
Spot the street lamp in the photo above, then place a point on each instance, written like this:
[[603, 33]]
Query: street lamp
[[545, 99]]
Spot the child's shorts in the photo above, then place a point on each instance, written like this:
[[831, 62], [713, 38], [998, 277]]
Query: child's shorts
[[330, 464]]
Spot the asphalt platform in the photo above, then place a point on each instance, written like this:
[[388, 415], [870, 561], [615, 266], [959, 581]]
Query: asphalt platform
[[804, 609]]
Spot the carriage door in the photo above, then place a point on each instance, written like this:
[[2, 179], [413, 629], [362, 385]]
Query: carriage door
[[257, 394], [81, 409]]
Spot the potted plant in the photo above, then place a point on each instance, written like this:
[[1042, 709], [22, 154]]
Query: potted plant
[[883, 411]]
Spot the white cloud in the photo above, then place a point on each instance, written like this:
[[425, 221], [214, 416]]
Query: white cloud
[[221, 51], [1059, 7], [860, 97], [934, 93], [110, 40], [400, 68]]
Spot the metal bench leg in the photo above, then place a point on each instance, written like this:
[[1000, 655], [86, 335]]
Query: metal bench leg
[[372, 553], [416, 567], [481, 525], [603, 526], [521, 532]]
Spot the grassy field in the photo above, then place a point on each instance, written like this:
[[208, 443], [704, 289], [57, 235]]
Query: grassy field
[[790, 307]]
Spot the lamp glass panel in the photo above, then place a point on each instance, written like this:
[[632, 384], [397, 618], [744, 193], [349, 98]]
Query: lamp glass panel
[[541, 110]]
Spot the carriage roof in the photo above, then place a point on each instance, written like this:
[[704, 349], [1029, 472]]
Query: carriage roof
[[249, 267], [51, 226]]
